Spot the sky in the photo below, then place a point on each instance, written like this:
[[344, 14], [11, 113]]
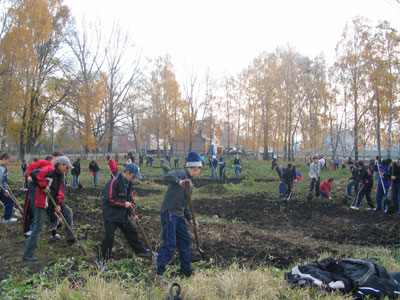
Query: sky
[[226, 35]]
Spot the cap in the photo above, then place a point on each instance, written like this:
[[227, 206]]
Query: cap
[[193, 160], [65, 161], [133, 168]]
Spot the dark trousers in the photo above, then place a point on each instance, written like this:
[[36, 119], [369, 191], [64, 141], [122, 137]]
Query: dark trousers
[[364, 190], [175, 235], [29, 209], [315, 183], [396, 195], [8, 204], [130, 233]]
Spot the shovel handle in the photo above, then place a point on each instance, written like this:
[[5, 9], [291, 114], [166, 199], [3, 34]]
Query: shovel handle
[[189, 193]]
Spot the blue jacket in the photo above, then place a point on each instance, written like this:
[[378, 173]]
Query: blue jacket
[[385, 178]]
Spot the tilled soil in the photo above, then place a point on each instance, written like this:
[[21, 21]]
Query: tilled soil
[[253, 229]]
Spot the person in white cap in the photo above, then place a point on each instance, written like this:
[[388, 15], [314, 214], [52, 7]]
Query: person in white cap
[[48, 180]]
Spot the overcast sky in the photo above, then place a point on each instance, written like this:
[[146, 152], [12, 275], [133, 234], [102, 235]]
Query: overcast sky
[[227, 34]]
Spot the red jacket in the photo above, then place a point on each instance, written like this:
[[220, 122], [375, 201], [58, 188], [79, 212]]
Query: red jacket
[[38, 165], [113, 165], [56, 188], [325, 186]]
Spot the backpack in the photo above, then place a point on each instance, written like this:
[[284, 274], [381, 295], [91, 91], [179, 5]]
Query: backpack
[[171, 292]]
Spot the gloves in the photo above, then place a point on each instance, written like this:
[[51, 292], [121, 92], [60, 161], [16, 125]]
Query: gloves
[[186, 183], [197, 223]]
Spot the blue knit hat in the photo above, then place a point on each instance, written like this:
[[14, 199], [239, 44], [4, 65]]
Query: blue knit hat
[[193, 160]]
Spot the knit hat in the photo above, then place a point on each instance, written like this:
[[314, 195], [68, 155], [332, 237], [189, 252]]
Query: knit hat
[[193, 160]]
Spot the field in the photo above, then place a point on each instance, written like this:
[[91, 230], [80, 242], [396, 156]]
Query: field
[[248, 234]]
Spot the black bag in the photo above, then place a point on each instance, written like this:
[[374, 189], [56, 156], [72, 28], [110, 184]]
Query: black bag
[[171, 292]]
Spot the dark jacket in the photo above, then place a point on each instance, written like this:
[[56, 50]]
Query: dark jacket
[[367, 175], [176, 200], [116, 193], [77, 168], [289, 175], [355, 173], [396, 173], [94, 168]]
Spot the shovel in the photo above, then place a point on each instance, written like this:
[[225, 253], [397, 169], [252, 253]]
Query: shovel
[[385, 198], [14, 200], [189, 193], [146, 239], [60, 215], [290, 196]]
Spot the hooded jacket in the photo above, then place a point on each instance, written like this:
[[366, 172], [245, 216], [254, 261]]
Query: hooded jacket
[[49, 175]]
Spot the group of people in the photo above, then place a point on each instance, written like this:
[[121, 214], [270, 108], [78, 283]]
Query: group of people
[[45, 199], [214, 164]]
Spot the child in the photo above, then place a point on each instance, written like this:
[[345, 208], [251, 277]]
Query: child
[[94, 169], [237, 166], [355, 179], [222, 168], [118, 199], [49, 180], [4, 194], [24, 168], [384, 180], [214, 168], [367, 181], [76, 171], [325, 188], [315, 174], [112, 165], [174, 211], [395, 176], [281, 171]]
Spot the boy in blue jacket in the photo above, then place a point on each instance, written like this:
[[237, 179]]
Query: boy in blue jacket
[[174, 213]]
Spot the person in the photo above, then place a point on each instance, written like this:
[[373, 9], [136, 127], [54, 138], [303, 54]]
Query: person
[[168, 158], [203, 159], [94, 169], [384, 183], [315, 174], [282, 186], [237, 166], [365, 188], [117, 213], [29, 210], [222, 168], [140, 159], [174, 211], [274, 160], [331, 165], [24, 168], [289, 178], [325, 188], [337, 162], [49, 181], [162, 162], [214, 168], [127, 161], [149, 161], [4, 194], [112, 166], [165, 170], [395, 176], [76, 171], [116, 157], [355, 179], [176, 162]]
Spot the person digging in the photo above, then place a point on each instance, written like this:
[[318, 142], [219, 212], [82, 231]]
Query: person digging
[[174, 213], [117, 209]]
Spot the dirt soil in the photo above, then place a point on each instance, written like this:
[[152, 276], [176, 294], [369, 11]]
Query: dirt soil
[[254, 229]]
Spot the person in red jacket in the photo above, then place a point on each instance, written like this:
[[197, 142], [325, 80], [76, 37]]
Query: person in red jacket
[[325, 188], [112, 165], [30, 197], [49, 180]]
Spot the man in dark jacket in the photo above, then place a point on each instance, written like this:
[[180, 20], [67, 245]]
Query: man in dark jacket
[[76, 171], [118, 200], [354, 179], [174, 212], [367, 181]]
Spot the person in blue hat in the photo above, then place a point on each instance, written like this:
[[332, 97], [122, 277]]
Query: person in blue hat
[[118, 200], [174, 214]]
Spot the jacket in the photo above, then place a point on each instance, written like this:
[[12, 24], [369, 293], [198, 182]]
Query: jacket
[[38, 165], [116, 193], [77, 168], [355, 173], [367, 175], [325, 186], [281, 170], [94, 168], [315, 169], [3, 177], [113, 165], [176, 200], [43, 178], [396, 173], [385, 178]]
